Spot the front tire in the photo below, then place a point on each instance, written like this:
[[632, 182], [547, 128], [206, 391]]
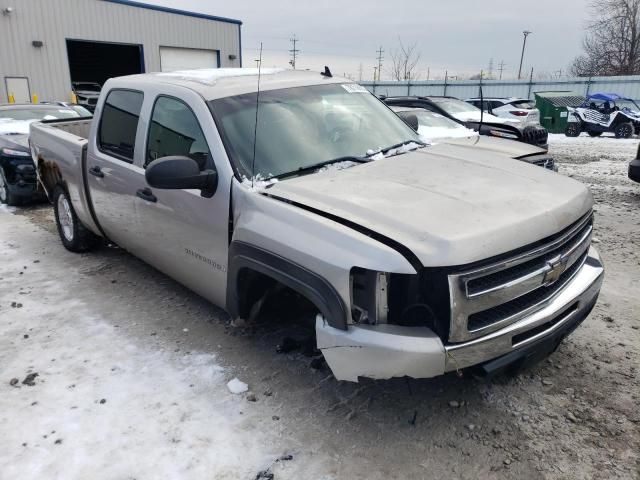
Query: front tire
[[624, 130], [6, 196], [573, 130], [74, 236]]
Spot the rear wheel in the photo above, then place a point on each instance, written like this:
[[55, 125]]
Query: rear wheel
[[75, 236], [624, 130], [5, 192], [594, 134], [573, 130]]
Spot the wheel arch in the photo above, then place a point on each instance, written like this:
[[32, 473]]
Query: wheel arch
[[244, 257]]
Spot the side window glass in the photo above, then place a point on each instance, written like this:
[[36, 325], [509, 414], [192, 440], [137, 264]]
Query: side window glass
[[118, 124], [174, 130]]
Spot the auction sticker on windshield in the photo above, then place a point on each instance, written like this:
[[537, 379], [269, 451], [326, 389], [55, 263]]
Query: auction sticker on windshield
[[354, 88]]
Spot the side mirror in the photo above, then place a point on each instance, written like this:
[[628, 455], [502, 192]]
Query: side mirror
[[412, 121], [178, 172]]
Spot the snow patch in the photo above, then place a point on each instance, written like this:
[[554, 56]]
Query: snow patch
[[236, 386], [209, 76], [259, 182]]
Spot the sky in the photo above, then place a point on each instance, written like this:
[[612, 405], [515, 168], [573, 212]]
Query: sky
[[457, 36]]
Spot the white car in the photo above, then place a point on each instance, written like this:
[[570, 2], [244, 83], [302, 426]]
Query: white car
[[518, 109]]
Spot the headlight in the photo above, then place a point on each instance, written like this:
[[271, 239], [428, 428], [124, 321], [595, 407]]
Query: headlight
[[15, 153], [498, 133]]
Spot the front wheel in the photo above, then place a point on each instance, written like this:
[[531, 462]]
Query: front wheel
[[5, 191], [75, 236], [573, 130], [624, 130]]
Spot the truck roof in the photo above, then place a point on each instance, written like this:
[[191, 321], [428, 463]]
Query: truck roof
[[213, 83]]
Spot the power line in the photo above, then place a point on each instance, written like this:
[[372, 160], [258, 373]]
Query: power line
[[501, 66], [380, 58], [294, 51]]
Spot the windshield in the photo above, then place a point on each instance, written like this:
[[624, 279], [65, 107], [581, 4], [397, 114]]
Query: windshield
[[627, 104], [304, 126], [432, 119], [33, 113], [525, 104], [453, 105]]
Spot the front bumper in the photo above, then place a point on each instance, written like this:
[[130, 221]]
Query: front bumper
[[634, 170], [386, 351]]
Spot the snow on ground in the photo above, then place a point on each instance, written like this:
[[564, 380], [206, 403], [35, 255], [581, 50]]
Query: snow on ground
[[102, 407], [6, 208]]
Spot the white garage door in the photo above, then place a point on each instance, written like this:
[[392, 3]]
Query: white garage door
[[174, 58]]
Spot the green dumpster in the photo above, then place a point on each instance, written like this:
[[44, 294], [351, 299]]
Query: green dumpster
[[553, 108]]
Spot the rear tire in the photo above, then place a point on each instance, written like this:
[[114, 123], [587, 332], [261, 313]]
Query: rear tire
[[624, 130], [594, 134], [573, 130], [5, 192], [74, 236]]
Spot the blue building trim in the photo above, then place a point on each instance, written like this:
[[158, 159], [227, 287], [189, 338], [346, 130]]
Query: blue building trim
[[176, 11]]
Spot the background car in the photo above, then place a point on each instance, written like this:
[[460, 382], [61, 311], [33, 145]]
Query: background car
[[516, 109], [87, 94], [433, 127], [18, 182], [470, 116]]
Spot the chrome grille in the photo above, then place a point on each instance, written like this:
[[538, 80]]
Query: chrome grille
[[488, 298]]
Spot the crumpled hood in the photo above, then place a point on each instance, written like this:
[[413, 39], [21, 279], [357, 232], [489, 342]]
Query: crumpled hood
[[448, 205], [474, 116], [511, 148], [15, 141]]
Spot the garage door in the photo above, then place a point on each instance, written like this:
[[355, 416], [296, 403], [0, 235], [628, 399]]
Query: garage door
[[174, 58]]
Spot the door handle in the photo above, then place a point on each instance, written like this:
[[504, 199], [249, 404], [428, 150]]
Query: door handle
[[95, 171], [147, 195]]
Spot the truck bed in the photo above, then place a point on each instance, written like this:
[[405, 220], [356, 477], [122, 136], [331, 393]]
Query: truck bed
[[58, 148]]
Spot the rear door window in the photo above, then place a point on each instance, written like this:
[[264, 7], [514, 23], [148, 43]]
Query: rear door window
[[174, 130], [119, 123]]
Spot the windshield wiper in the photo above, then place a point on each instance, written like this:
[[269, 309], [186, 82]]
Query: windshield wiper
[[402, 144], [319, 165]]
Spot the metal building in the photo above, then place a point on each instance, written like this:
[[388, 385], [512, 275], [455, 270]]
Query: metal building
[[48, 45]]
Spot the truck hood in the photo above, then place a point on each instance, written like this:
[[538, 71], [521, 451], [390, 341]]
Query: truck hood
[[448, 205], [511, 148]]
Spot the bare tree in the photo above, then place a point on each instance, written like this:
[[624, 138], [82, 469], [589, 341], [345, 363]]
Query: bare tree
[[404, 61], [612, 42]]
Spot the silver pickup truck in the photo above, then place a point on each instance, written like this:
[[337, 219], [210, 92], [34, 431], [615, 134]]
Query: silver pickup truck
[[419, 261]]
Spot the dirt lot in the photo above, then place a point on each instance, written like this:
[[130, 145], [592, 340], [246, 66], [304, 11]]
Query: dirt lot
[[132, 371]]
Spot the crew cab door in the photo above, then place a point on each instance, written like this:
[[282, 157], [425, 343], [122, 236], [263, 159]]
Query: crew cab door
[[112, 174], [183, 233]]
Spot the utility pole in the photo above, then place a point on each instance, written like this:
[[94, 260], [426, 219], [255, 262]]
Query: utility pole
[[380, 58], [559, 72], [526, 33], [501, 66], [294, 51], [490, 74], [257, 60], [428, 73], [375, 70], [360, 72]]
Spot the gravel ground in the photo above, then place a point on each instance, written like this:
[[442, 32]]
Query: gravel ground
[[105, 326]]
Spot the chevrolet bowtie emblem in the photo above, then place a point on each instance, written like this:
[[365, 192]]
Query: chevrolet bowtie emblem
[[556, 269]]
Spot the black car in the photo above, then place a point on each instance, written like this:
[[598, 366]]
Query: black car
[[469, 116], [634, 168], [18, 181]]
